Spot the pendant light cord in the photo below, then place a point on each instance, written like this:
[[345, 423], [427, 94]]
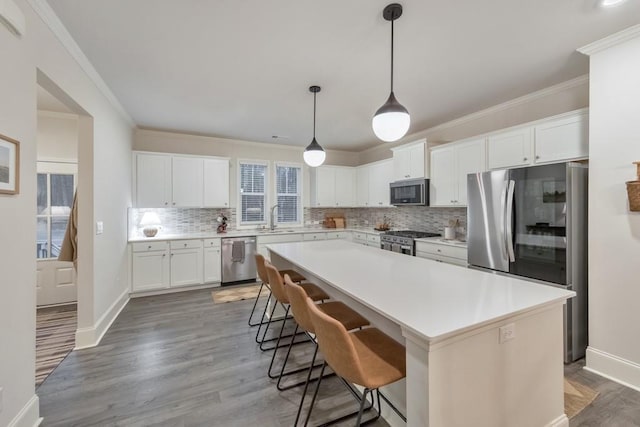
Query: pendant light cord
[[392, 19], [314, 115]]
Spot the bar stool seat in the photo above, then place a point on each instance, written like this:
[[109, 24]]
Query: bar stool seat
[[294, 275], [350, 318], [382, 359], [313, 292]]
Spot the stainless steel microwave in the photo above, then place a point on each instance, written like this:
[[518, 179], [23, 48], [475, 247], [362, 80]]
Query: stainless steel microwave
[[414, 192]]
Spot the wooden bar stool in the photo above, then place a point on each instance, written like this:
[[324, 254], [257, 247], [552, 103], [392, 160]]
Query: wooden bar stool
[[264, 282], [277, 290], [349, 318], [368, 358]]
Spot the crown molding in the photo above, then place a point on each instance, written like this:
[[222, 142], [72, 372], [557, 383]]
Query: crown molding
[[610, 41], [51, 20], [560, 87], [12, 17]]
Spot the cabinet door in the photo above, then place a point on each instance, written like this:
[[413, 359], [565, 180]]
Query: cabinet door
[[345, 186], [212, 265], [362, 186], [381, 174], [470, 158], [562, 139], [416, 161], [216, 183], [325, 185], [153, 180], [186, 267], [149, 271], [401, 164], [510, 149], [443, 186], [187, 181]]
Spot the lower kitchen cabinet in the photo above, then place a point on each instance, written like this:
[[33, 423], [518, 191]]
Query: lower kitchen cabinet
[[186, 262], [150, 266], [212, 261], [443, 252]]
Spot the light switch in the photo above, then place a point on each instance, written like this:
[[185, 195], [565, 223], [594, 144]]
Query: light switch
[[99, 227], [1, 396]]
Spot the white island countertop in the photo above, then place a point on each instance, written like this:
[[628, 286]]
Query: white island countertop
[[433, 300]]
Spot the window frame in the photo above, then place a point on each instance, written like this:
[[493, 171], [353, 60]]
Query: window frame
[[53, 168], [249, 224], [299, 193]]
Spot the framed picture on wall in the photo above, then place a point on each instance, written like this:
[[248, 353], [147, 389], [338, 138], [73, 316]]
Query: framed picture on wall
[[9, 165]]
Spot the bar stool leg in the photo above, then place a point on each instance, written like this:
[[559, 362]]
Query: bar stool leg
[[306, 385], [315, 394], [266, 328], [362, 402], [255, 304]]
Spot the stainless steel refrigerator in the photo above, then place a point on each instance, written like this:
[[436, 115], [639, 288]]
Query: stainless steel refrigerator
[[532, 222]]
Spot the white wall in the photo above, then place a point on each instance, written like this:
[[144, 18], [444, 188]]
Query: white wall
[[169, 142], [614, 231], [57, 137], [105, 164]]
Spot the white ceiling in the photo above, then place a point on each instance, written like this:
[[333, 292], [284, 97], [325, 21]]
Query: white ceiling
[[241, 68]]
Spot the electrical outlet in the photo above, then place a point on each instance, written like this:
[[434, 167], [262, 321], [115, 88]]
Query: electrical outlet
[[507, 333], [99, 227]]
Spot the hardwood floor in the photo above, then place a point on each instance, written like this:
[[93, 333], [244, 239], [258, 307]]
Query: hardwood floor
[[181, 360]]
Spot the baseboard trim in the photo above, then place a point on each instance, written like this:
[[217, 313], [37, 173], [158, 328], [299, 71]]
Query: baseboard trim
[[561, 421], [29, 415], [615, 368], [140, 294], [91, 336]]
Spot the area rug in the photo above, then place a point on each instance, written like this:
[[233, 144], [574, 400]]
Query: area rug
[[577, 397], [237, 293], [55, 338]]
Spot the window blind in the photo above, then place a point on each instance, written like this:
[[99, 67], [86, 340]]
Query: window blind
[[288, 193], [252, 192]]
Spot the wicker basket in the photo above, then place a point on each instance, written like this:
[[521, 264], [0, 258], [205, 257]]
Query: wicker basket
[[633, 191]]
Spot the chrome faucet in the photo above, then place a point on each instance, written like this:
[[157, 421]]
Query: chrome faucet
[[271, 217]]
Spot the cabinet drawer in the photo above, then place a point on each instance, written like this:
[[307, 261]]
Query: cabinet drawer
[[440, 258], [211, 243], [442, 250], [149, 246], [186, 244], [282, 238], [337, 235], [360, 237], [314, 236], [373, 238]]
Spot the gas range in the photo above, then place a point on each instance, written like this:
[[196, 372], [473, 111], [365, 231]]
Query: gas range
[[402, 241]]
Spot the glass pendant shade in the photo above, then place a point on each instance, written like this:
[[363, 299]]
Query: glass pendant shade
[[314, 154], [391, 122]]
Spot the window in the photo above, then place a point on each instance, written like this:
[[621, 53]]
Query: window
[[288, 188], [56, 185], [253, 182]]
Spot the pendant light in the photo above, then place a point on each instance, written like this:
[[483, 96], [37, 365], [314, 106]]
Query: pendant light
[[314, 154], [391, 121]]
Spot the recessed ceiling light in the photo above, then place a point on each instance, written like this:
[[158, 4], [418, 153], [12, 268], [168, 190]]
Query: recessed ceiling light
[[611, 3]]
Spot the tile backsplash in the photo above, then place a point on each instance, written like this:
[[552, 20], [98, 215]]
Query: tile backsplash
[[202, 220]]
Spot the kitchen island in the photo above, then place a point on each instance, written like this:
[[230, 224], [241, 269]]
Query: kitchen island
[[482, 349]]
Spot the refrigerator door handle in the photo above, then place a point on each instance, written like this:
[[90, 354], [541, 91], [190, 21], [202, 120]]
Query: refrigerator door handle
[[508, 226]]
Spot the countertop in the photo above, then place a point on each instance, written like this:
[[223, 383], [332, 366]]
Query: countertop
[[443, 241], [249, 232], [432, 299]]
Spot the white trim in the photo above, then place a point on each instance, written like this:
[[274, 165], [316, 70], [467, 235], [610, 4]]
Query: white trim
[[267, 176], [561, 421], [12, 17], [91, 336], [610, 41], [140, 294], [300, 193], [410, 144], [29, 415], [615, 368], [51, 20]]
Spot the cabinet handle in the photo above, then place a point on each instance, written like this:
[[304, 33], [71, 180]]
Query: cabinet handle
[[149, 247], [171, 254], [537, 157], [438, 250], [164, 255], [166, 203], [225, 204], [524, 159]]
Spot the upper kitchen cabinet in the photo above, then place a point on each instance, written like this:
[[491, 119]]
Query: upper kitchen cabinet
[[165, 180], [380, 175], [556, 139], [333, 186], [563, 138], [409, 161], [510, 149], [362, 186], [450, 164]]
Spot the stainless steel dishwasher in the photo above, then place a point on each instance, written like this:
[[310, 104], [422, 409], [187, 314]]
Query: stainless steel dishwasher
[[238, 259]]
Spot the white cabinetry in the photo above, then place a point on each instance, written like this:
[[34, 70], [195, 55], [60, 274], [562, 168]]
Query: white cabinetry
[[450, 165], [186, 262], [333, 186], [187, 181], [150, 266], [510, 149], [380, 175], [212, 261], [165, 180], [442, 252], [409, 161], [314, 236], [263, 241], [362, 186], [556, 139], [216, 183], [153, 180]]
